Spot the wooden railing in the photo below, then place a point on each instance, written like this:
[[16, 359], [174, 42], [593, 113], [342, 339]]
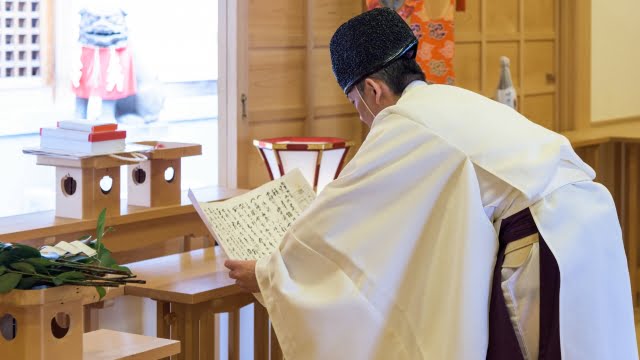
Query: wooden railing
[[614, 153]]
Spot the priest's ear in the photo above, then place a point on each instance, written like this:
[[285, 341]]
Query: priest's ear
[[374, 87]]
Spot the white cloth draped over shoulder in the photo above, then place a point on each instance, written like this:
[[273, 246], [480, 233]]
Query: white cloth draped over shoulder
[[394, 259]]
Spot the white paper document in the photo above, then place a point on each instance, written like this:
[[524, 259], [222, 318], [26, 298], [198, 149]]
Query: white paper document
[[251, 225]]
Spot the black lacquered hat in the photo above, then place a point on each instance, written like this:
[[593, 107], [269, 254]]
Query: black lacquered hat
[[367, 43]]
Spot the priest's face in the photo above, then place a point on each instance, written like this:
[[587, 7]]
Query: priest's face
[[366, 115], [374, 97]]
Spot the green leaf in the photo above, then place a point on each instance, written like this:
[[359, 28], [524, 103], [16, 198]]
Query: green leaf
[[24, 267], [101, 292], [3, 269], [100, 231], [22, 251], [68, 276], [28, 282], [101, 220], [42, 265], [106, 259], [122, 268], [9, 281], [5, 258]]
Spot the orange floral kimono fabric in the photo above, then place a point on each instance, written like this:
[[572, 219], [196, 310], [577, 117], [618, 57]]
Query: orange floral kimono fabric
[[435, 36]]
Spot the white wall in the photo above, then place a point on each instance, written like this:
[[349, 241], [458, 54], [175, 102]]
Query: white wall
[[615, 59]]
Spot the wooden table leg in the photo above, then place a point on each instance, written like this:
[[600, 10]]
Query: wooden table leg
[[216, 341], [632, 210], [276, 351], [91, 318], [187, 330], [260, 332], [234, 334], [163, 321], [207, 336], [187, 244]]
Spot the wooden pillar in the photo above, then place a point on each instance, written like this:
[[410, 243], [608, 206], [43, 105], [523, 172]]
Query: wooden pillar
[[276, 351], [234, 334], [260, 332], [187, 330], [207, 336], [632, 212]]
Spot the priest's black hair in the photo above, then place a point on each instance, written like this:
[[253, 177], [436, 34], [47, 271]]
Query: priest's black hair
[[397, 75]]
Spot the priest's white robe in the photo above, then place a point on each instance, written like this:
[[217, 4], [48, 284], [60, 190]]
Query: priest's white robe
[[394, 258]]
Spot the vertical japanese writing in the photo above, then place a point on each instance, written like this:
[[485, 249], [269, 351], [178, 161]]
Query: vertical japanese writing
[[252, 225]]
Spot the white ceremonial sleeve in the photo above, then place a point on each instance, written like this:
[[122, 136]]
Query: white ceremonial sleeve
[[392, 261]]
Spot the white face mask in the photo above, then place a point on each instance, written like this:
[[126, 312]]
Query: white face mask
[[364, 102]]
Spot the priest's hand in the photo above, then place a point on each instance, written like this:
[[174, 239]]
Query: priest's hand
[[244, 272]]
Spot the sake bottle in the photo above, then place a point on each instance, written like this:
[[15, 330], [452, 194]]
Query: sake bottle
[[506, 93]]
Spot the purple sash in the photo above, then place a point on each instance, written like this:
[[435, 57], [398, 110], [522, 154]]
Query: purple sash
[[503, 344]]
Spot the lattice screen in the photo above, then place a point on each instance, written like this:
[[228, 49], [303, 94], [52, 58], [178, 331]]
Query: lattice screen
[[20, 39]]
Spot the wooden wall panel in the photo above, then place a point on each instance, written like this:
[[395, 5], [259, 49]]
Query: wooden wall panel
[[346, 126], [258, 174], [502, 16], [468, 22], [540, 109], [467, 65], [524, 31], [328, 97], [290, 75], [328, 15], [343, 126], [495, 50], [539, 16], [276, 23], [291, 89], [539, 67], [276, 84]]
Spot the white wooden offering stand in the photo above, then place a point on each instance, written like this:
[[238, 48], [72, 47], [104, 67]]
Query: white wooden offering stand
[[148, 183], [37, 334], [79, 194]]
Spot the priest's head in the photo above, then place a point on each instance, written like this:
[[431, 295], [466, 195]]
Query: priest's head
[[373, 60]]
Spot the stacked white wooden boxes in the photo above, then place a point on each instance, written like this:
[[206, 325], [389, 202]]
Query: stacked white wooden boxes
[[86, 185]]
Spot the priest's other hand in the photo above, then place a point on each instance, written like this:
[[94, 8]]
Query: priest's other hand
[[244, 272]]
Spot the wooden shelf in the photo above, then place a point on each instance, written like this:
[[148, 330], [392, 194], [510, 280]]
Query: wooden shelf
[[624, 132], [136, 227], [110, 345]]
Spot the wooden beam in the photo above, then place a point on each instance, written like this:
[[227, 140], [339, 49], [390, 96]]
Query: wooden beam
[[575, 64], [631, 232], [309, 84]]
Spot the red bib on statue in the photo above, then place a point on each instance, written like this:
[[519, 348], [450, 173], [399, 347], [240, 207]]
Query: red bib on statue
[[104, 72]]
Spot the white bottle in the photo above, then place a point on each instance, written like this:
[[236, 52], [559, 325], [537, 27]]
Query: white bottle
[[506, 93]]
